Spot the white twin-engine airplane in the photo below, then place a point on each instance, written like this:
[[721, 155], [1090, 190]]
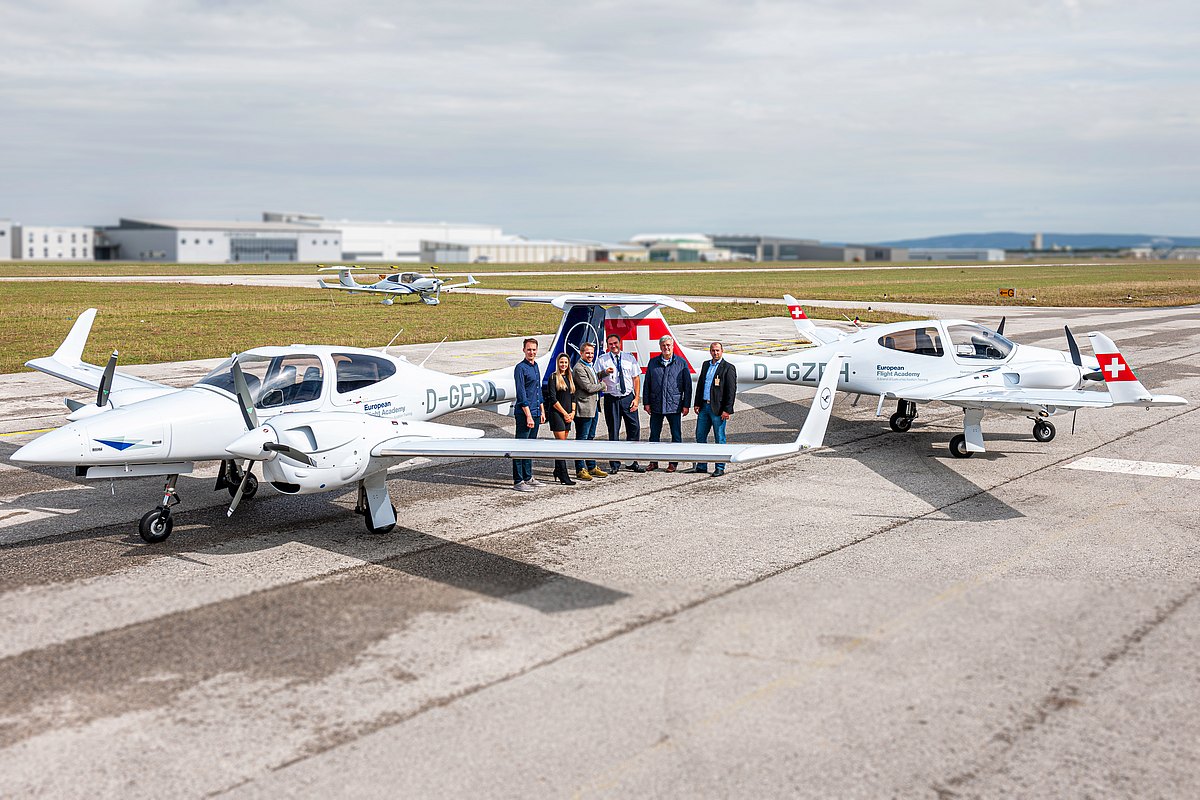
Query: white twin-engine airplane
[[957, 362], [427, 287], [960, 363], [322, 418]]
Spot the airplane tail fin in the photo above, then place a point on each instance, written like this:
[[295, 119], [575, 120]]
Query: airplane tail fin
[[805, 326], [344, 278], [812, 434], [1123, 386], [636, 319]]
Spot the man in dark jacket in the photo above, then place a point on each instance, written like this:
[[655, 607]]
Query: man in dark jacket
[[666, 394], [715, 391]]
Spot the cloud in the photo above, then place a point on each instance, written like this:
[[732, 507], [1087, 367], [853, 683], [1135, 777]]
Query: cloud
[[839, 120]]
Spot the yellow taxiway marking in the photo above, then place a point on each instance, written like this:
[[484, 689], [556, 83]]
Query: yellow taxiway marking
[[29, 433]]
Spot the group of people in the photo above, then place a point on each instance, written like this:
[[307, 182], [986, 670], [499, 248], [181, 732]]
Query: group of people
[[571, 397]]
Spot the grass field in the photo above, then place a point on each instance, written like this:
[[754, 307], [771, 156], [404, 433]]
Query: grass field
[[1133, 284], [151, 323]]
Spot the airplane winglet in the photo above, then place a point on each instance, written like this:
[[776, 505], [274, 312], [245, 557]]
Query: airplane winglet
[[812, 434], [70, 352]]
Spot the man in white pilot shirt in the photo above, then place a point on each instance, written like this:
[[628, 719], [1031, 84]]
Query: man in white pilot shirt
[[622, 378]]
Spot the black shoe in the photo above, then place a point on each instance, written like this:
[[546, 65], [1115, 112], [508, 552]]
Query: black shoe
[[697, 471], [636, 468], [719, 473]]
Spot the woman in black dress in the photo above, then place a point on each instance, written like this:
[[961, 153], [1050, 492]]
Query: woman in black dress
[[559, 395]]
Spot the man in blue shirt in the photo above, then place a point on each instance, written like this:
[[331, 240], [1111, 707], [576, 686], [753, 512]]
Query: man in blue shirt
[[715, 392], [528, 412]]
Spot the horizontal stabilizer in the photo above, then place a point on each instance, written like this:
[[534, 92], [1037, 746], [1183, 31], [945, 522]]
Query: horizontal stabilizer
[[562, 301]]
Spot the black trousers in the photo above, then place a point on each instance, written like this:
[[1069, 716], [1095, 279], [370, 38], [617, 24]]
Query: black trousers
[[616, 409]]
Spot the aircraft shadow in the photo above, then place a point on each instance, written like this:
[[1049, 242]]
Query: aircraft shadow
[[911, 461], [314, 520]]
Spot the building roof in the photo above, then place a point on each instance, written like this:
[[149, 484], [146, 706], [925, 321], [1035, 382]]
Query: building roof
[[219, 225]]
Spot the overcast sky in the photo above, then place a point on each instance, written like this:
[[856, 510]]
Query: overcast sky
[[853, 120]]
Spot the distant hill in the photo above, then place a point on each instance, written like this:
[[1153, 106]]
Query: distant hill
[[1008, 240]]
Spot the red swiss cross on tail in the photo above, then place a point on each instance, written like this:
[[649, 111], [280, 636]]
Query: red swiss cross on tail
[[1114, 368], [797, 312], [639, 337]]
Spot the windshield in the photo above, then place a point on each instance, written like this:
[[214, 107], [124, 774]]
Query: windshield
[[272, 381], [975, 341]]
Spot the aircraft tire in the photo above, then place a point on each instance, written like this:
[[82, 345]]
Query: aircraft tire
[[900, 423], [385, 528], [251, 488], [156, 525], [958, 447], [1043, 431]]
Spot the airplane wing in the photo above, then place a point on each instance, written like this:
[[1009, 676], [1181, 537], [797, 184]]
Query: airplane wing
[[469, 282], [1013, 399], [67, 362], [812, 435]]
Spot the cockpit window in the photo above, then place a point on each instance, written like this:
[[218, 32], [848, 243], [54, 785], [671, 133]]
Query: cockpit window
[[976, 341], [394, 278], [409, 277], [919, 341], [272, 381], [358, 371]]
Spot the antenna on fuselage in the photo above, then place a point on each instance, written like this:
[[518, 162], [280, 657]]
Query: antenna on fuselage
[[434, 350], [394, 338]]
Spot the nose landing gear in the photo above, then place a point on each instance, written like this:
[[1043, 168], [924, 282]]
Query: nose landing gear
[[902, 420], [156, 524]]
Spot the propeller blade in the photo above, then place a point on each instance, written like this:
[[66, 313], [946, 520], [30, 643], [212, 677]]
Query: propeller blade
[[290, 452], [1000, 327], [245, 402], [106, 380], [237, 497], [1074, 348]]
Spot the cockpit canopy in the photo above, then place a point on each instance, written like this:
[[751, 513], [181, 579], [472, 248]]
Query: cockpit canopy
[[923, 341], [273, 381], [977, 342]]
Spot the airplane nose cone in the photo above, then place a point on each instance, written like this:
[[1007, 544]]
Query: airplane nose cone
[[250, 444], [65, 446]]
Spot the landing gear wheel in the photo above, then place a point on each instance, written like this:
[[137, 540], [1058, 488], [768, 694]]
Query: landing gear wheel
[[385, 528], [958, 447], [156, 525], [900, 423], [251, 488], [1043, 431]]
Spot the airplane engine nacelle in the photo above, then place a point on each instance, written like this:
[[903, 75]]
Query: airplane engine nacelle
[[339, 443], [1048, 376]]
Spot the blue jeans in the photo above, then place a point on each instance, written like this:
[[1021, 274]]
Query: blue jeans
[[523, 467], [674, 420], [706, 420], [586, 429]]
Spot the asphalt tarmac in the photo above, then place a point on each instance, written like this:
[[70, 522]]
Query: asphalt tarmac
[[875, 619]]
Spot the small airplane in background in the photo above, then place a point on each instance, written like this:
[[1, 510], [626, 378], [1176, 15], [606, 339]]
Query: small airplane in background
[[426, 287], [320, 418]]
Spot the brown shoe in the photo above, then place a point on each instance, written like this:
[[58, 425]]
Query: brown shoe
[[672, 467], [653, 465]]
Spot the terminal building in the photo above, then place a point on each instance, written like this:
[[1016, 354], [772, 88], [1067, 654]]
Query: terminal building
[[213, 242], [390, 242], [955, 254]]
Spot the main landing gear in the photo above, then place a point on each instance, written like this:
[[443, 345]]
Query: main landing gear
[[958, 447], [1043, 431], [229, 478], [902, 420], [156, 525], [369, 505]]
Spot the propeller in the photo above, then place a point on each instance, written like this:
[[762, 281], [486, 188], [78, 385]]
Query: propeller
[[106, 381], [246, 404], [1076, 359]]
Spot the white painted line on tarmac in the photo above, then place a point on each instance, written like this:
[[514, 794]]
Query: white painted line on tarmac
[[1153, 469]]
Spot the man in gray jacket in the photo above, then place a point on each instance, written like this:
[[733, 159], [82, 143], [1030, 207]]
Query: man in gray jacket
[[587, 408]]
